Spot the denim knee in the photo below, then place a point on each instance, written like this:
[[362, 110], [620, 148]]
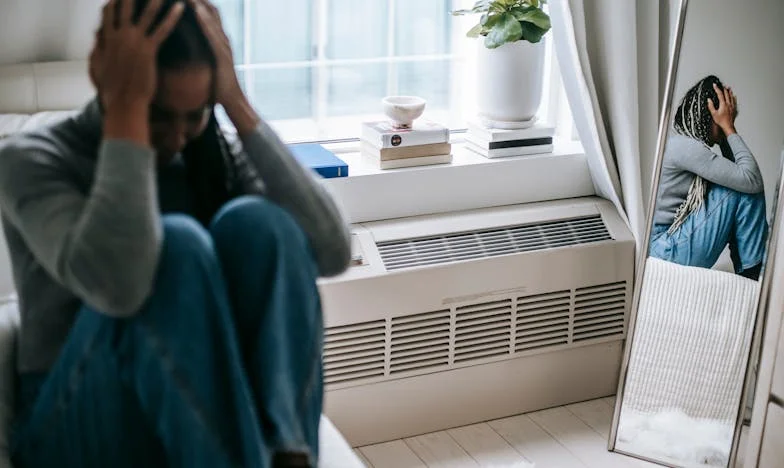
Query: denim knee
[[183, 236], [256, 219]]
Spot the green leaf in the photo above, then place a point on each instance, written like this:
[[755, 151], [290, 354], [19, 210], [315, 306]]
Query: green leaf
[[533, 15], [475, 31], [531, 32], [506, 29]]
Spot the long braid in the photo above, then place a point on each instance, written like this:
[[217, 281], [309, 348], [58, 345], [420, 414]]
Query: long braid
[[693, 119]]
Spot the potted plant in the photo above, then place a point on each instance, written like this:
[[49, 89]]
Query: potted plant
[[511, 60]]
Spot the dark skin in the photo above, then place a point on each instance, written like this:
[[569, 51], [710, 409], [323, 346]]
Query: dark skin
[[723, 117], [162, 109]]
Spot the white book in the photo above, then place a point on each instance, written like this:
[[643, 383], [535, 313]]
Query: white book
[[383, 134], [496, 134], [412, 162], [510, 152]]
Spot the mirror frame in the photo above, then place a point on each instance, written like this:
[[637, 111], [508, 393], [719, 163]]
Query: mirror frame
[[762, 302]]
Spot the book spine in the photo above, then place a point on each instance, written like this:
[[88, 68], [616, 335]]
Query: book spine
[[332, 172]]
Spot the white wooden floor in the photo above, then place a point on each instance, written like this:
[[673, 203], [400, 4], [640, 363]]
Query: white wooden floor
[[573, 436]]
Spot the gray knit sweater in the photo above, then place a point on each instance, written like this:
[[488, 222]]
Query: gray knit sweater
[[686, 157], [83, 222]]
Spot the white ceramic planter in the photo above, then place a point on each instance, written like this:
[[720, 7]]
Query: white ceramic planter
[[510, 80]]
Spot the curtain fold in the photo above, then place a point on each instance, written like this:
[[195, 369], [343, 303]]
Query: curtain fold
[[614, 57]]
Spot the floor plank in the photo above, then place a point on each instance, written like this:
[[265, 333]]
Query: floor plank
[[534, 443], [395, 454], [596, 414], [439, 449], [610, 400], [487, 447], [363, 459], [581, 440]]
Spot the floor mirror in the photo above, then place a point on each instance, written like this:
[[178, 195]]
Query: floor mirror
[[689, 365]]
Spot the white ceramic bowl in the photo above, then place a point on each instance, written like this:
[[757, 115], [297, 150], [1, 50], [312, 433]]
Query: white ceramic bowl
[[403, 110]]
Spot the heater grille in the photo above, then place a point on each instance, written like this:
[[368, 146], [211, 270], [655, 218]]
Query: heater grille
[[438, 250], [473, 332]]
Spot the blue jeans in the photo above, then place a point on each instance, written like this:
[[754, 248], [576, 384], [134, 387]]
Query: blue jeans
[[221, 368], [726, 218]]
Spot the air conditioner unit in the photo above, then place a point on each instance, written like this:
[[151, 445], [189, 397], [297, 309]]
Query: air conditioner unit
[[453, 319]]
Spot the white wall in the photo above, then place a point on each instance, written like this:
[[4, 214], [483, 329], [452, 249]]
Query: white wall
[[741, 43], [47, 30]]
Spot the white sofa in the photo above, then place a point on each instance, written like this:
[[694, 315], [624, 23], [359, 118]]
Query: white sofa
[[38, 94]]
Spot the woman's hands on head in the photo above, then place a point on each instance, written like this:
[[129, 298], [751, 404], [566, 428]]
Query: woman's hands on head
[[123, 66], [727, 111], [228, 91]]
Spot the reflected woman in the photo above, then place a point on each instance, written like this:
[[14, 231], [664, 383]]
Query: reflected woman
[[708, 201]]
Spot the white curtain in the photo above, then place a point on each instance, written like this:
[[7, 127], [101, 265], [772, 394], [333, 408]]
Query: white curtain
[[614, 56]]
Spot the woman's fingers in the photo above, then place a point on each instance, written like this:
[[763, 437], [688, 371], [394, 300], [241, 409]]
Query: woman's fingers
[[720, 95], [167, 25], [110, 15], [149, 14], [126, 12], [711, 107]]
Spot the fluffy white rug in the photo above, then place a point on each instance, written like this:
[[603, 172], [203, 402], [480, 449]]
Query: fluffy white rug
[[674, 436]]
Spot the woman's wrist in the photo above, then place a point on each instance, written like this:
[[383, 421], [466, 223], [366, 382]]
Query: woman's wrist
[[729, 129], [129, 122], [242, 114]]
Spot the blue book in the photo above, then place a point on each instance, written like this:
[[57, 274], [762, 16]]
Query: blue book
[[320, 160]]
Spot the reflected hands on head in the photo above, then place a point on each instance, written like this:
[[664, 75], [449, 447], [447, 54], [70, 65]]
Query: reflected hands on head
[[122, 66], [228, 91], [727, 111]]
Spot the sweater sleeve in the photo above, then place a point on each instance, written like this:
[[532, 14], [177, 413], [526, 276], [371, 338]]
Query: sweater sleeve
[[293, 187], [103, 246], [742, 175]]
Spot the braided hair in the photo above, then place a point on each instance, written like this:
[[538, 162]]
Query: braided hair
[[694, 120]]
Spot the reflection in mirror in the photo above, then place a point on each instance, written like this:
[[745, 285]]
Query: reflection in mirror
[[718, 168]]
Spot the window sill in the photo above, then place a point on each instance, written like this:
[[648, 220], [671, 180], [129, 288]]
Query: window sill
[[471, 181]]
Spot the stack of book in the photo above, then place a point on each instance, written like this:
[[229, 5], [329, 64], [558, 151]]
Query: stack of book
[[498, 143], [425, 143]]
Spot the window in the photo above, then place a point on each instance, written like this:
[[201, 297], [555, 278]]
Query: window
[[317, 68]]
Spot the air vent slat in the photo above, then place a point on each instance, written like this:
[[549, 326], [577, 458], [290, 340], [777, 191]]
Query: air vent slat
[[436, 341], [480, 336], [350, 329], [600, 314], [353, 376], [443, 327], [597, 299], [425, 356], [605, 293], [604, 321], [419, 365], [488, 317], [354, 363], [425, 347], [492, 242], [352, 335], [344, 356], [603, 333], [355, 343], [533, 315], [618, 304], [560, 334], [601, 287], [543, 304], [358, 368], [481, 354], [564, 325], [400, 326], [396, 341], [589, 328], [485, 306]]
